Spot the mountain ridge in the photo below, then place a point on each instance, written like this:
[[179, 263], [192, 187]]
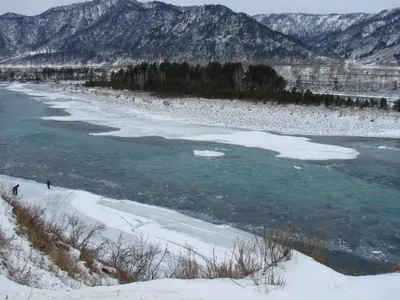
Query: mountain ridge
[[360, 37], [114, 30], [302, 25]]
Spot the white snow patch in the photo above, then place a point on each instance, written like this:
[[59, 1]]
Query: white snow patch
[[288, 146], [388, 148], [208, 153], [165, 289]]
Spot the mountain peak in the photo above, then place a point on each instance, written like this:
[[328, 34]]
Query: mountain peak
[[10, 15]]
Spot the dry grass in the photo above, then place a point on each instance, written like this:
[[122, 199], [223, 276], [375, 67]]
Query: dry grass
[[395, 268], [255, 259], [31, 222], [310, 245], [187, 267], [133, 261], [88, 257], [65, 262]]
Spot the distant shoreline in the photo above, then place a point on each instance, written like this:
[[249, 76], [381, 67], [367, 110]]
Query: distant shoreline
[[287, 120]]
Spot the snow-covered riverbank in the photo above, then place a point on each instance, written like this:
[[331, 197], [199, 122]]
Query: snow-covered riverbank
[[305, 278], [289, 119]]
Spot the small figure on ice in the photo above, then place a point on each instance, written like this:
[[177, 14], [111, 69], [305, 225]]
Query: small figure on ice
[[15, 190], [48, 184]]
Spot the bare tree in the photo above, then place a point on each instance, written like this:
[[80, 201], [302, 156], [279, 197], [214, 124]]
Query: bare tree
[[81, 234]]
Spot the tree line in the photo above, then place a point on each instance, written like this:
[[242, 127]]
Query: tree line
[[259, 83], [231, 80], [215, 80], [48, 73]]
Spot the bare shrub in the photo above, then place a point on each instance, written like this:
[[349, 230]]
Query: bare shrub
[[21, 273], [81, 234], [187, 267], [395, 268], [57, 222], [248, 257], [58, 228], [314, 247], [134, 261], [5, 243], [6, 192], [272, 250], [269, 281], [243, 261], [311, 245], [50, 238]]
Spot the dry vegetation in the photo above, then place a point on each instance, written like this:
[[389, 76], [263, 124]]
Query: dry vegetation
[[5, 243], [77, 248], [395, 268], [71, 243], [61, 238]]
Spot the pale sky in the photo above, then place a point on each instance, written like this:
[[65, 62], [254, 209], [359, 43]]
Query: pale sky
[[252, 7]]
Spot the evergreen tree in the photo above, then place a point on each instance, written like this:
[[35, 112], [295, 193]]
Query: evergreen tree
[[349, 102], [383, 103], [396, 105]]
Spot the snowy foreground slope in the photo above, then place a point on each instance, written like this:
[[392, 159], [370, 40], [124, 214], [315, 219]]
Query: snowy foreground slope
[[305, 278], [167, 289]]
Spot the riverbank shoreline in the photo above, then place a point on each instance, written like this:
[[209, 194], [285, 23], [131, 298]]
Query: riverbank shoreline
[[287, 120]]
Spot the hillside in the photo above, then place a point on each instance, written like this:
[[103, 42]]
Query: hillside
[[364, 38], [307, 27], [373, 40], [116, 30]]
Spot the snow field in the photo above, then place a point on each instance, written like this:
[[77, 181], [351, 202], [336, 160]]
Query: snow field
[[291, 119]]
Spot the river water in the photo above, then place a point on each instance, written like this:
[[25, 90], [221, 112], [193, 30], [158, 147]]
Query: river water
[[356, 203]]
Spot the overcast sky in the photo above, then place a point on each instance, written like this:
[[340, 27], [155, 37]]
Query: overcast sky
[[33, 7]]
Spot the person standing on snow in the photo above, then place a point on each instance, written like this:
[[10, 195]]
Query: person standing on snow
[[15, 190], [48, 184]]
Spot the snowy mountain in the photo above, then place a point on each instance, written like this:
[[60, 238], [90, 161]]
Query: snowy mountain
[[114, 30], [308, 26], [373, 40], [365, 38]]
